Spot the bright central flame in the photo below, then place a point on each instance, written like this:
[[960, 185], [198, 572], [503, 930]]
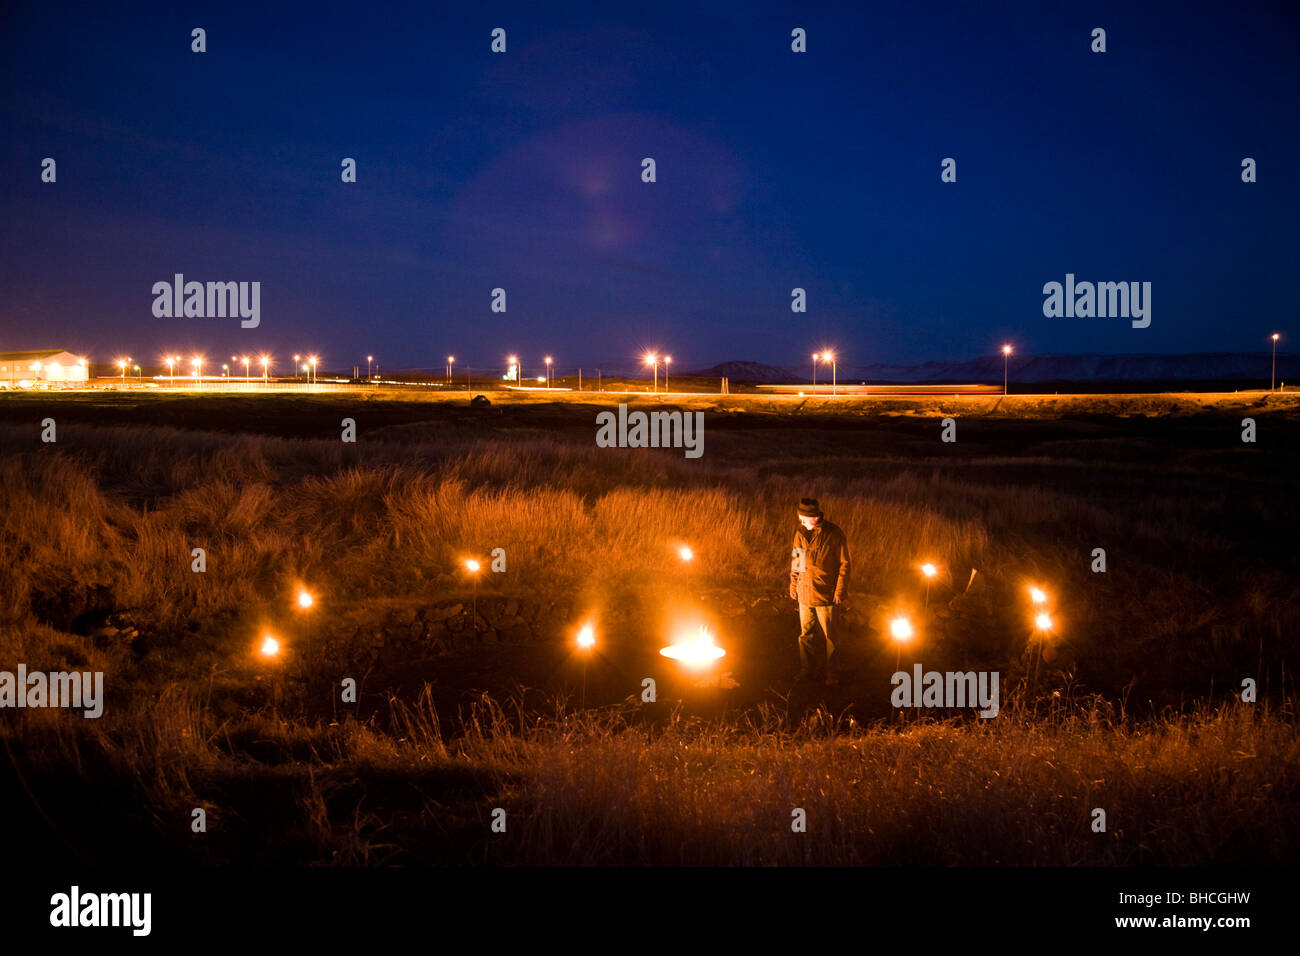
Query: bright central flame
[[1037, 595], [686, 553], [700, 650], [270, 647], [587, 636], [305, 600], [929, 570], [901, 629], [1043, 622]]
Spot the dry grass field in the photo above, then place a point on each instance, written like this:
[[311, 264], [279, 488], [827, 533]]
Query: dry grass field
[[1133, 709]]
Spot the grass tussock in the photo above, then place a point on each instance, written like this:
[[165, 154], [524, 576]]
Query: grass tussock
[[1216, 787]]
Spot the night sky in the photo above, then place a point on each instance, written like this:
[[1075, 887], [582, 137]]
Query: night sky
[[523, 170]]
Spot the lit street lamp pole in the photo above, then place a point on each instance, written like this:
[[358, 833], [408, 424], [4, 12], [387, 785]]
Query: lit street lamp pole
[[829, 356], [369, 374], [1273, 382], [548, 371], [1006, 357], [654, 360], [451, 362], [668, 360]]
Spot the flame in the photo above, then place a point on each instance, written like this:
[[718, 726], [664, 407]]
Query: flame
[[700, 650]]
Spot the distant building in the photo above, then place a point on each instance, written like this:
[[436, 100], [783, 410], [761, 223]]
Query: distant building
[[42, 365]]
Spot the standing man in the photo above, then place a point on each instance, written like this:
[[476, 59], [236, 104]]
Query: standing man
[[819, 578]]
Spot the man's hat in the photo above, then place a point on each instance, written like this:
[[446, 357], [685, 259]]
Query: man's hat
[[808, 508]]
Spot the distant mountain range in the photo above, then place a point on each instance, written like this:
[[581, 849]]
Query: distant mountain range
[[1250, 370]]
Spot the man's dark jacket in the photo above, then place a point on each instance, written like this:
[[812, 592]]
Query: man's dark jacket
[[819, 565]]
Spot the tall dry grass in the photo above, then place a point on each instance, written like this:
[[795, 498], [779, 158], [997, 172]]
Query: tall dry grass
[[1214, 787]]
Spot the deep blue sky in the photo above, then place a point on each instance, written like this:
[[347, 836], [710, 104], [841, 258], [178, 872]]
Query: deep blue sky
[[522, 170]]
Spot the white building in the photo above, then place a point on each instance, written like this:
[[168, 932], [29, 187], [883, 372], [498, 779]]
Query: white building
[[22, 369]]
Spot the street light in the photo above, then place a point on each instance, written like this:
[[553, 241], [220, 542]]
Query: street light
[[171, 370], [1006, 357], [668, 360], [313, 369], [197, 364], [121, 364], [266, 361], [652, 359], [451, 361], [225, 369], [369, 359], [547, 360], [829, 356], [1273, 382], [513, 362], [246, 378]]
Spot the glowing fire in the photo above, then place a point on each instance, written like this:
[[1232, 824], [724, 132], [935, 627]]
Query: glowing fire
[[900, 628], [700, 650]]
